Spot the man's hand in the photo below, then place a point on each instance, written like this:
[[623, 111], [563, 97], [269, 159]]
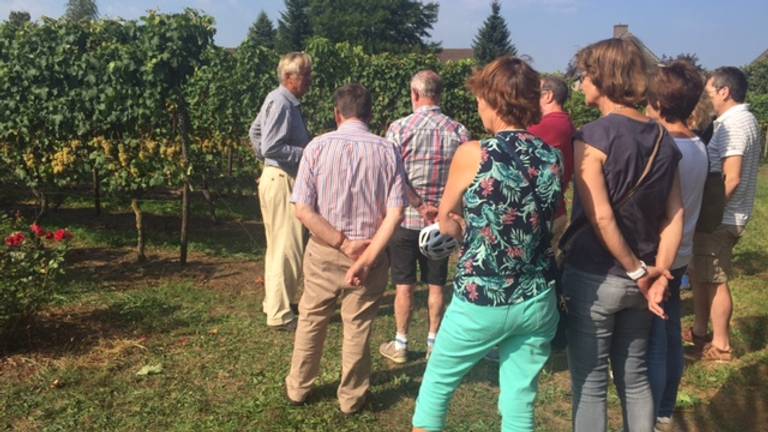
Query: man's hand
[[357, 274], [353, 248], [428, 212]]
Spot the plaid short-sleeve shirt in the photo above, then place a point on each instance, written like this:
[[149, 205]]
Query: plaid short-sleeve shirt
[[427, 140]]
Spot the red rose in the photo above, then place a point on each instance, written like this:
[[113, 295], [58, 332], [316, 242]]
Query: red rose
[[15, 240], [38, 230], [62, 234], [49, 235]]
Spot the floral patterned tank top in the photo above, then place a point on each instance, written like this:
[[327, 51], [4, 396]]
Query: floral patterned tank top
[[506, 257]]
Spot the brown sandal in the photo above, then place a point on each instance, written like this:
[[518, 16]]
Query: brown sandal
[[712, 353]]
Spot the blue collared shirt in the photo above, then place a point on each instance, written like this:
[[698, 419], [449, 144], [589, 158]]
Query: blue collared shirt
[[279, 132]]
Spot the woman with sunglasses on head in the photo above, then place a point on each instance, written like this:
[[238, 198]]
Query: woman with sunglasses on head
[[625, 230]]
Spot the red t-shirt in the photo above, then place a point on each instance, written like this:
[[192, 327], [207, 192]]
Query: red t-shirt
[[557, 130]]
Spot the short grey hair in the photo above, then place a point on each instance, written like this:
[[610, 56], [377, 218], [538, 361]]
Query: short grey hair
[[428, 84], [293, 63], [557, 86]]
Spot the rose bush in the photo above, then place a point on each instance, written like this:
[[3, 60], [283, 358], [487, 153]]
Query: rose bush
[[30, 265]]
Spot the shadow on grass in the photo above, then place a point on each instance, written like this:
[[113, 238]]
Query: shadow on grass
[[741, 404], [74, 332], [751, 262], [397, 388], [239, 233], [754, 332], [107, 265]]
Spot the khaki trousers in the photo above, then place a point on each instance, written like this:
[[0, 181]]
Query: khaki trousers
[[285, 245], [324, 269]]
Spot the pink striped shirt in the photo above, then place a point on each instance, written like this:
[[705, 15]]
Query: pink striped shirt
[[351, 177]]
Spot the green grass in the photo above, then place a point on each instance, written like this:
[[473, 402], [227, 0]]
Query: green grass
[[75, 368], [237, 232]]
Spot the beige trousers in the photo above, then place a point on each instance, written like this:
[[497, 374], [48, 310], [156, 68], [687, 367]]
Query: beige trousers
[[324, 270], [285, 245]]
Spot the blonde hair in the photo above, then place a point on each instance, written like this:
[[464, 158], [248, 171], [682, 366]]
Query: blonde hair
[[293, 63], [703, 114]]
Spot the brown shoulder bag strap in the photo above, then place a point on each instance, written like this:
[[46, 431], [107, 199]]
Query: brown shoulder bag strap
[[646, 171]]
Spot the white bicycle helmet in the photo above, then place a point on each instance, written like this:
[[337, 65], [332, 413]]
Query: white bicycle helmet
[[435, 245]]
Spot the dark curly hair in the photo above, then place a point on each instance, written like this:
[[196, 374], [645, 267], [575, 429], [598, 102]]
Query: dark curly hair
[[674, 90]]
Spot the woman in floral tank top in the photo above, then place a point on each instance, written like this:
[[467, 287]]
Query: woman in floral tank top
[[507, 188]]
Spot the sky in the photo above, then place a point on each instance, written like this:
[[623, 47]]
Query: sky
[[550, 31]]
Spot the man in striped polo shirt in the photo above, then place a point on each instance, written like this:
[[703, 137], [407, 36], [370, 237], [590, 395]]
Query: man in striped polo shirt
[[427, 140], [735, 151], [350, 194]]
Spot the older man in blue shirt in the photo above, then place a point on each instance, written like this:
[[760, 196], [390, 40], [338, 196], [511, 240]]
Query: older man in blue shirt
[[278, 136]]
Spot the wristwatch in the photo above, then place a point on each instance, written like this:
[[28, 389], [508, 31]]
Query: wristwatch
[[639, 273]]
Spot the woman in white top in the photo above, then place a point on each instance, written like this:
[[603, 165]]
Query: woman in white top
[[673, 93]]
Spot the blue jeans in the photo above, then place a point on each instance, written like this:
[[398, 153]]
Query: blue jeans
[[608, 319], [665, 351], [468, 332]]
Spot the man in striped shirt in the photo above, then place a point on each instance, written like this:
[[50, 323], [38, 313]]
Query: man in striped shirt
[[735, 151], [427, 140], [350, 194]]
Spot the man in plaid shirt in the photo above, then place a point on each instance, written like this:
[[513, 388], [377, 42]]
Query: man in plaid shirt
[[427, 140]]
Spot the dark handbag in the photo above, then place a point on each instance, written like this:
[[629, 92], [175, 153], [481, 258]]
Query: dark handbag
[[712, 204], [579, 226]]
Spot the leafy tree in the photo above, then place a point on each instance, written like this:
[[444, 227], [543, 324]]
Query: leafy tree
[[19, 18], [78, 10], [377, 25], [262, 32], [293, 27], [578, 109], [690, 58], [40, 84], [492, 39], [174, 45], [757, 74]]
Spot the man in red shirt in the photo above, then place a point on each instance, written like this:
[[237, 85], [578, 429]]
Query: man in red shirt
[[556, 129]]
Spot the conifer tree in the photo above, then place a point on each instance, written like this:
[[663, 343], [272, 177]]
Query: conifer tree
[[293, 28], [81, 10], [492, 39], [19, 18], [262, 32]]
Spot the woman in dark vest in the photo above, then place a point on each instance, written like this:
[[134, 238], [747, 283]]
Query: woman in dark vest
[[626, 227], [507, 188]]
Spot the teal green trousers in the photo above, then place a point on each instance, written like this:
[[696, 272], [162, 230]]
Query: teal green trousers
[[468, 332]]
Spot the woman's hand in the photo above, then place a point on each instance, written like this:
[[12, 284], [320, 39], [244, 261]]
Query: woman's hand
[[654, 288], [455, 227]]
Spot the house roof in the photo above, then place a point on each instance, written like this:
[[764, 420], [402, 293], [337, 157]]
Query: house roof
[[621, 31], [761, 57], [455, 54]]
